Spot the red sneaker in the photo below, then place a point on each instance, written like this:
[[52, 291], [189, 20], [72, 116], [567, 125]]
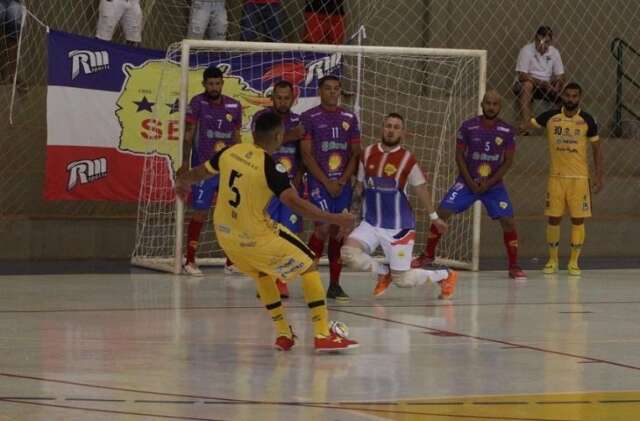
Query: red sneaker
[[334, 342], [285, 343], [448, 286], [421, 261], [516, 273], [383, 283], [283, 288]]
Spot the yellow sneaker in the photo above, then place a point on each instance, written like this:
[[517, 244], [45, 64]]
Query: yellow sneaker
[[574, 270], [550, 267]]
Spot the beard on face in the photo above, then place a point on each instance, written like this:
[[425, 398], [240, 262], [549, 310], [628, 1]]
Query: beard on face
[[282, 110], [489, 116], [390, 143], [213, 95], [570, 105]]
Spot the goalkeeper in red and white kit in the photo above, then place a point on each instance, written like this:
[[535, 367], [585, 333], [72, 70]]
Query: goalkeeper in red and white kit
[[385, 171]]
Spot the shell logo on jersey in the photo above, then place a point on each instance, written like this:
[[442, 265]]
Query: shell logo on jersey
[[484, 170], [229, 117], [499, 140], [219, 146], [335, 161], [345, 126], [286, 162], [390, 169]]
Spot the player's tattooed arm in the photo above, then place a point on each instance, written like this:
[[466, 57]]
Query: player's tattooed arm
[[464, 171], [189, 137], [355, 150], [356, 200], [598, 182]]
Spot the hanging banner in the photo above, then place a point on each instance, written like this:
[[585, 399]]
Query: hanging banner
[[110, 106]]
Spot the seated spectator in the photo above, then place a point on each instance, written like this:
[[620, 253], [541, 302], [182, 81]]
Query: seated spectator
[[540, 73], [324, 22], [208, 16], [262, 18], [127, 12], [10, 22]]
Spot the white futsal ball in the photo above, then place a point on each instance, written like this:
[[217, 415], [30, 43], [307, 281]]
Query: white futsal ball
[[339, 328]]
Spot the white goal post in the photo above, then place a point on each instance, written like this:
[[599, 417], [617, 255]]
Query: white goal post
[[434, 89]]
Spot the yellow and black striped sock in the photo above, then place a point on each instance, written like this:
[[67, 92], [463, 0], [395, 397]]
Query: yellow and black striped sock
[[270, 297], [314, 296], [553, 241], [578, 234]]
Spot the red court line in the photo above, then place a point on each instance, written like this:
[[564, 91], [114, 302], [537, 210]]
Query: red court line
[[110, 411], [139, 309], [496, 341]]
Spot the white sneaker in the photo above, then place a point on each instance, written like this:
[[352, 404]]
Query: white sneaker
[[231, 270], [192, 269]]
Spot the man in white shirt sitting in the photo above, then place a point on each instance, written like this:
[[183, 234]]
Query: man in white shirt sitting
[[540, 73]]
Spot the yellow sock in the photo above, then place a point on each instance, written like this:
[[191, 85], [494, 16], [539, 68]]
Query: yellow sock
[[270, 297], [553, 241], [314, 295], [577, 240]]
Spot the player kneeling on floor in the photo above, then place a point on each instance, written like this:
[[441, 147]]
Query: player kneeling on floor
[[385, 171]]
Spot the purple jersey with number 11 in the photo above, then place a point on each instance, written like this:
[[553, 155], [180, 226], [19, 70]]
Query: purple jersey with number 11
[[484, 146], [331, 133]]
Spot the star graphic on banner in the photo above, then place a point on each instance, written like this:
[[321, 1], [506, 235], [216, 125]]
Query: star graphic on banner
[[144, 105], [175, 107]]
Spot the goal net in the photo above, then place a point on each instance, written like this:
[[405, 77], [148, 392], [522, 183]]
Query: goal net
[[434, 89]]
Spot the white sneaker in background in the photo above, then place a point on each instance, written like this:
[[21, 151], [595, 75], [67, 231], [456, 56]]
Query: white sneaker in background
[[192, 269]]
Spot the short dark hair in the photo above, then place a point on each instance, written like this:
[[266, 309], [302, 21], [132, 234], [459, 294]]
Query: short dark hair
[[282, 84], [265, 124], [395, 115], [212, 72], [573, 85], [545, 31], [326, 79]]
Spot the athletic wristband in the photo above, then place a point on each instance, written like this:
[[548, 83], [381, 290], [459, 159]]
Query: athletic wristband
[[433, 216]]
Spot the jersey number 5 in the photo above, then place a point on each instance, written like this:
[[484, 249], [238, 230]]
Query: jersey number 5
[[234, 176]]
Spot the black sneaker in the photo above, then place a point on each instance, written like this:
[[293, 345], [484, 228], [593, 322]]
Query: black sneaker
[[336, 292]]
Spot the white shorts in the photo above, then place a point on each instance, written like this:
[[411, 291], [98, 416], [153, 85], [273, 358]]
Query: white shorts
[[113, 12], [397, 245], [208, 16]]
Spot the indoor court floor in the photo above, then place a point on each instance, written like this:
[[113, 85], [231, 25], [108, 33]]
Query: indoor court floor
[[152, 346]]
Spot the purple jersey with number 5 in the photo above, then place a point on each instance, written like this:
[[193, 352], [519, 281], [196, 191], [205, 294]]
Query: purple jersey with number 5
[[331, 133], [484, 146], [215, 125]]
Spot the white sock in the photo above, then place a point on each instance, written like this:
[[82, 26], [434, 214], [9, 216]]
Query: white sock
[[434, 276], [383, 269]]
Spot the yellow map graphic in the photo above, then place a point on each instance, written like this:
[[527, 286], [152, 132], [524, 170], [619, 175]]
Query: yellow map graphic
[[149, 119]]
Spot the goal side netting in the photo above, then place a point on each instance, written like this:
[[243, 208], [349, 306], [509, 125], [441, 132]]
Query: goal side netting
[[433, 89]]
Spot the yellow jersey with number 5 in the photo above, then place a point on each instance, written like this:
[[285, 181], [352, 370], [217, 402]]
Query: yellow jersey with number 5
[[249, 179], [568, 138]]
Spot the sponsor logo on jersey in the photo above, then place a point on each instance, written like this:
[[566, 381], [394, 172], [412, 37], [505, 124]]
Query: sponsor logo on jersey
[[484, 170], [86, 171], [335, 161], [331, 145], [281, 168], [88, 62], [504, 129], [390, 169], [286, 163]]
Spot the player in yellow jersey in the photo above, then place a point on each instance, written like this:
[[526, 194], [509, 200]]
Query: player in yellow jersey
[[569, 131], [260, 247]]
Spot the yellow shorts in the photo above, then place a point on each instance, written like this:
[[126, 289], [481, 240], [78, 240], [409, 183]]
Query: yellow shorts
[[280, 254], [572, 192]]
